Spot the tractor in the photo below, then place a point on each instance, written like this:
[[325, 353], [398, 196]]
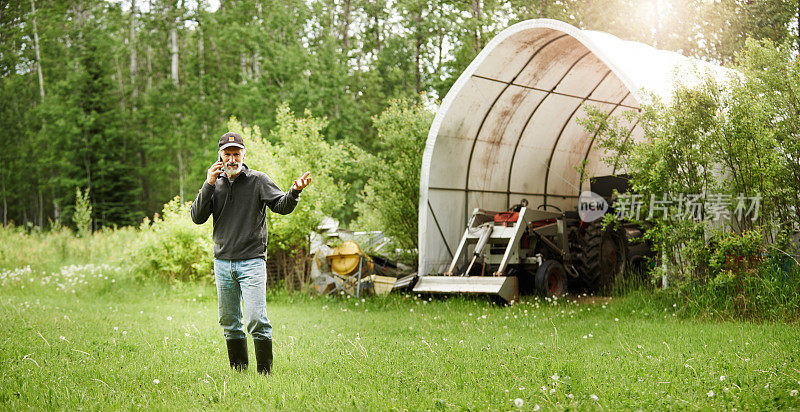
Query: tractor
[[526, 250]]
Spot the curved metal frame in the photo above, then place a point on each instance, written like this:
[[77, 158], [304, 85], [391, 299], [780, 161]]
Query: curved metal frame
[[527, 122], [594, 136], [486, 115], [564, 127]]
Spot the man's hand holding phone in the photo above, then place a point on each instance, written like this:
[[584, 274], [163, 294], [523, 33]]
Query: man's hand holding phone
[[214, 172]]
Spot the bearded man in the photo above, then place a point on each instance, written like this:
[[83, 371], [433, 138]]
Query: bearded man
[[238, 197]]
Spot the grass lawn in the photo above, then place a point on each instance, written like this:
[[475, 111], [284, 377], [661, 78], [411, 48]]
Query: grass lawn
[[114, 344]]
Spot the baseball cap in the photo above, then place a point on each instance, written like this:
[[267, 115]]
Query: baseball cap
[[231, 139]]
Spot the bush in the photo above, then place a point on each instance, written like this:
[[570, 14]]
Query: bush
[[82, 217], [299, 147], [172, 247], [390, 200], [719, 139]]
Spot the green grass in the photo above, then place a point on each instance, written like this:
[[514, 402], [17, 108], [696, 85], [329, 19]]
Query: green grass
[[121, 345]]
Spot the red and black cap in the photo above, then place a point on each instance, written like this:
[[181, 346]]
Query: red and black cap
[[231, 139]]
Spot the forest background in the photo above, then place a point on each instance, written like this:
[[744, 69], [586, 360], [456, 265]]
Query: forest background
[[126, 100]]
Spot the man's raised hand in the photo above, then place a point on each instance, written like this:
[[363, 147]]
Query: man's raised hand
[[213, 173], [302, 182]]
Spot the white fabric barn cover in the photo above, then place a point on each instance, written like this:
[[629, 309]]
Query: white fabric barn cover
[[507, 129]]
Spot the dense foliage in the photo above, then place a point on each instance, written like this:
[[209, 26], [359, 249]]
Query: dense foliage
[[172, 247], [126, 99], [729, 141], [390, 200]]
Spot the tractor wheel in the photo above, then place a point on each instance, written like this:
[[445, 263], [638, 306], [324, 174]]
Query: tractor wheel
[[551, 279], [603, 256]]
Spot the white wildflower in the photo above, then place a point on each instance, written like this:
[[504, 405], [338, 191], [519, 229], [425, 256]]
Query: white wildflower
[[519, 402], [710, 394], [593, 397]]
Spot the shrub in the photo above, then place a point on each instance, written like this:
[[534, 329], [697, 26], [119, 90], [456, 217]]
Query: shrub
[[299, 147], [172, 247], [720, 139], [83, 213], [390, 200]]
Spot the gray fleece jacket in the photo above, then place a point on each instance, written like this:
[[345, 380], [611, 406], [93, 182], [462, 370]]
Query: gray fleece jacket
[[239, 209]]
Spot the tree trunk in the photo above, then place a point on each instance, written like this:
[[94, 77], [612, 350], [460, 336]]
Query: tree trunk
[[38, 53], [180, 169], [132, 39], [378, 29], [476, 13], [149, 67], [121, 84], [173, 35], [40, 203], [417, 52], [346, 26], [243, 67], [41, 96], [56, 205], [5, 204], [200, 59]]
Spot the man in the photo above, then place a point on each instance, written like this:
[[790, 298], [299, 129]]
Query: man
[[237, 197]]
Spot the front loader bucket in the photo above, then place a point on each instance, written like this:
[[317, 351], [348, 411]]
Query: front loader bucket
[[506, 287]]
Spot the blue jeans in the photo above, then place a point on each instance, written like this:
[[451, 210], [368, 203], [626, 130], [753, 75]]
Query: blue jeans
[[238, 281]]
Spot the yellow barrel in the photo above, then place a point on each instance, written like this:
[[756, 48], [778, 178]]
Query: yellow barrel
[[344, 259]]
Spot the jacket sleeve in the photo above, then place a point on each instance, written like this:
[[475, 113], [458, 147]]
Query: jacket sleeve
[[278, 201], [201, 207]]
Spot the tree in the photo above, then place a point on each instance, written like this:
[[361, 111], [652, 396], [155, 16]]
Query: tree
[[390, 200]]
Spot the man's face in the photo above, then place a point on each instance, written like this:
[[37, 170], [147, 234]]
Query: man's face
[[232, 158]]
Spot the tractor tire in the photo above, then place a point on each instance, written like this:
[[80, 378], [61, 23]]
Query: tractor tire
[[603, 256], [551, 279]]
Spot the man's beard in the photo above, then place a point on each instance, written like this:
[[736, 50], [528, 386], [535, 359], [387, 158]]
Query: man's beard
[[233, 168]]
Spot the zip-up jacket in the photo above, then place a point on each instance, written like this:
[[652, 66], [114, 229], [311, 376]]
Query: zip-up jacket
[[239, 209]]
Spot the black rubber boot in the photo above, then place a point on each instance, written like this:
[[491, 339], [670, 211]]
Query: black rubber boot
[[237, 353], [263, 355]]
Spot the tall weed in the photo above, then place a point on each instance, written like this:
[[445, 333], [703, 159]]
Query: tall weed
[[59, 247]]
